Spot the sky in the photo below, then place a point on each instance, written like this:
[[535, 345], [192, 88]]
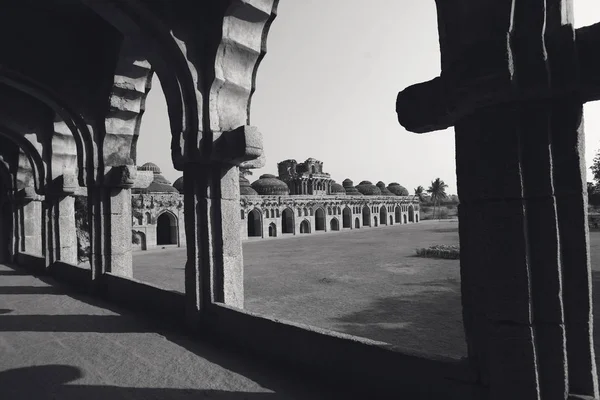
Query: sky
[[327, 89]]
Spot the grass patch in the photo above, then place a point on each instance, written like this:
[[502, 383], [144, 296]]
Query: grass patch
[[448, 252]]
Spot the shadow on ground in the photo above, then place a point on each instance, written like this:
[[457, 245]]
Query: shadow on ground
[[401, 319], [55, 382]]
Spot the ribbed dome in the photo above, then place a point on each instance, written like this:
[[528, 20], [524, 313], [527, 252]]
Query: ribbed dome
[[245, 188], [178, 184], [397, 189], [384, 190], [368, 189], [350, 189], [150, 167], [338, 189], [269, 185]]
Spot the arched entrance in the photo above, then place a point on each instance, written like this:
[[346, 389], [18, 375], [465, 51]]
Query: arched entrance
[[272, 230], [139, 240], [254, 224], [166, 229], [405, 218], [375, 221], [334, 224], [383, 215], [357, 223], [398, 214], [305, 227], [366, 216], [347, 218], [320, 219], [416, 217], [391, 220], [411, 213], [287, 221]]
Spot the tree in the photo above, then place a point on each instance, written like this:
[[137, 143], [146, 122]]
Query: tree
[[419, 191], [437, 189], [596, 168]]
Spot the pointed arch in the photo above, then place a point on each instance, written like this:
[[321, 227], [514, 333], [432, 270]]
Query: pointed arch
[[347, 218]]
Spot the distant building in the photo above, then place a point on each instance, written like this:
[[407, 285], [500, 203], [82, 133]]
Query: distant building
[[301, 200]]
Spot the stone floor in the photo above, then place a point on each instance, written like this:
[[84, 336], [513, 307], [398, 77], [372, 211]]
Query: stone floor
[[56, 345]]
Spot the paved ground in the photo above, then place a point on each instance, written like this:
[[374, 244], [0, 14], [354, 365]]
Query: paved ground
[[59, 346], [363, 282]]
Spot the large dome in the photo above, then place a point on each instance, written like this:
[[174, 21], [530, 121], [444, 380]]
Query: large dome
[[159, 183], [150, 167], [397, 189], [337, 189], [268, 185], [350, 189], [245, 188], [383, 189], [368, 189], [178, 184]]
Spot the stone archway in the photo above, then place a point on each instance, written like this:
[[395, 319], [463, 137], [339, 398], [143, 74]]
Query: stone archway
[[366, 216], [411, 213], [272, 230], [405, 221], [347, 218], [139, 240], [166, 229], [383, 215], [319, 219], [391, 220], [305, 226], [357, 223], [287, 221], [254, 223], [334, 224], [398, 215], [375, 222]]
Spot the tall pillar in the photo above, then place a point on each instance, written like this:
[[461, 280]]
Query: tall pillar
[[30, 225], [67, 231]]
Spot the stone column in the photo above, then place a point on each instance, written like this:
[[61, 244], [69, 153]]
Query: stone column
[[67, 232], [30, 221]]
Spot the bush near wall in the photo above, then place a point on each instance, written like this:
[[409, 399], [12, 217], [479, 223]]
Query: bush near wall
[[449, 252]]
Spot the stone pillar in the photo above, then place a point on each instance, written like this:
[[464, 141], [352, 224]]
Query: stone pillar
[[61, 232], [119, 250], [30, 218]]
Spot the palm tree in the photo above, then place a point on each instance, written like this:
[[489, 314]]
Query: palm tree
[[419, 192], [438, 192]]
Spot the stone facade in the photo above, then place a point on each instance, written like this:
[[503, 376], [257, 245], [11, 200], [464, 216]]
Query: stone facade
[[269, 211]]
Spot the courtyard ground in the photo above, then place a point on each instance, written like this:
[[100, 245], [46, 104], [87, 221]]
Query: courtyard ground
[[364, 282]]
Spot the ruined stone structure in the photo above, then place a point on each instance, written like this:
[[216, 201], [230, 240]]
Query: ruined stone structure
[[267, 208], [515, 75]]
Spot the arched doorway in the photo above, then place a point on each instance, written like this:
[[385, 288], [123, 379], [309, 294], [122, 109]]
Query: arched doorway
[[398, 214], [357, 223], [411, 213], [366, 216], [139, 240], [347, 218], [334, 224], [391, 220], [416, 217], [166, 229], [375, 221], [405, 218], [319, 219], [305, 227], [254, 224], [287, 221], [272, 230], [383, 215]]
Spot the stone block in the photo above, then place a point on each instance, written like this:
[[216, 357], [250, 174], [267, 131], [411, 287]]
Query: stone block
[[120, 202], [230, 225], [233, 281], [230, 186], [512, 362], [122, 264]]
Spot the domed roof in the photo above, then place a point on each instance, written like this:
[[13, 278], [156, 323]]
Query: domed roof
[[397, 189], [178, 184], [368, 189], [150, 167], [245, 188], [269, 185], [350, 189], [159, 183], [383, 189], [336, 188]]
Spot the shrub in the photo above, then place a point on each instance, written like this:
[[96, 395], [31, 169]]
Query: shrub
[[447, 252]]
